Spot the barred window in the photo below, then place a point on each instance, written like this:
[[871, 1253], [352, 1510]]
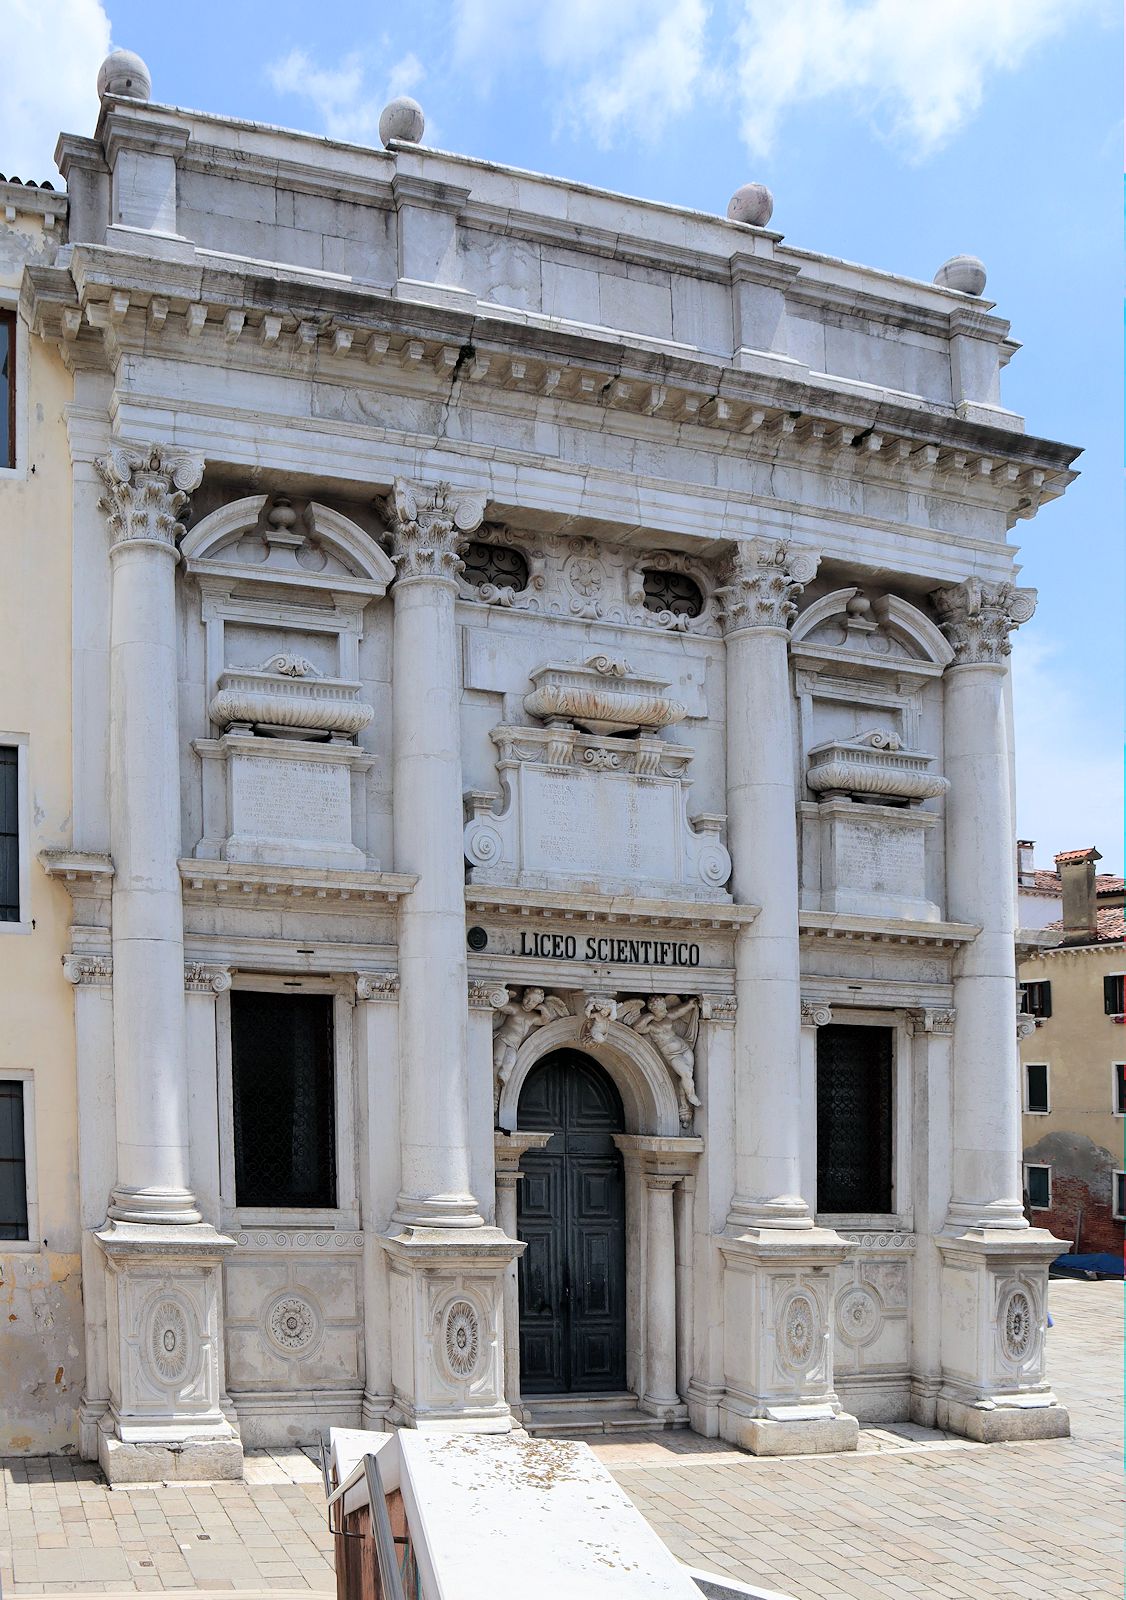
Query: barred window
[[7, 388], [284, 1091], [1038, 1187], [498, 565], [673, 592], [854, 1119]]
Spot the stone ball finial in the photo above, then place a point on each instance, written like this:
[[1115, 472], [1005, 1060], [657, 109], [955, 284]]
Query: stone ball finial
[[124, 73], [964, 273], [753, 203], [402, 119]]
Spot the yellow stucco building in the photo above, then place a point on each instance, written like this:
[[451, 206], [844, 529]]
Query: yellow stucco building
[[41, 1349], [1073, 1062]]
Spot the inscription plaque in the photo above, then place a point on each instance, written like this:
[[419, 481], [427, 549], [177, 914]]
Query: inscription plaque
[[879, 860], [279, 799], [617, 826]]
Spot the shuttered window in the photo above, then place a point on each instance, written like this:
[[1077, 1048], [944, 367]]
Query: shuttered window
[[283, 1082], [7, 388], [854, 1119], [1113, 1003], [13, 1161], [9, 834], [1036, 999], [1038, 1185], [1036, 1086]]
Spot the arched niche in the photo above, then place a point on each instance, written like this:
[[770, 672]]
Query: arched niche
[[882, 630], [639, 1074]]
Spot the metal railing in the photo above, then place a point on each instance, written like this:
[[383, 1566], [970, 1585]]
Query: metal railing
[[368, 1564]]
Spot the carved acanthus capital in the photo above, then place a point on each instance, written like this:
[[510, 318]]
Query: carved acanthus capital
[[428, 526], [718, 1007], [816, 1014], [377, 986], [200, 978], [146, 490], [930, 1020], [977, 618], [761, 582], [87, 969]]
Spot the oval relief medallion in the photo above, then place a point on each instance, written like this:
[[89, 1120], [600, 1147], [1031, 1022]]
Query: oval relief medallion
[[799, 1332], [169, 1343], [1018, 1326], [463, 1338], [292, 1323], [858, 1316]]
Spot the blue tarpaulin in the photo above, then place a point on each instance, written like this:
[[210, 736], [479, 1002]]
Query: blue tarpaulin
[[1106, 1264]]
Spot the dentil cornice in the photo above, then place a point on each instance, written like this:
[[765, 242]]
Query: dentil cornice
[[428, 525], [761, 583], [146, 489], [977, 618]]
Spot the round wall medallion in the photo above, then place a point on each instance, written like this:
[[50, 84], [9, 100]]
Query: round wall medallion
[[463, 1340], [858, 1316], [169, 1344], [1018, 1325], [292, 1323], [799, 1332]]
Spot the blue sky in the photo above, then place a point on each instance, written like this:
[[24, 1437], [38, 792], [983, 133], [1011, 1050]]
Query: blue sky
[[892, 132]]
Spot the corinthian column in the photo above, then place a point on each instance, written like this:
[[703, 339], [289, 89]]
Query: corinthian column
[[166, 1413], [763, 580], [146, 490], [447, 1327], [994, 1265], [777, 1292]]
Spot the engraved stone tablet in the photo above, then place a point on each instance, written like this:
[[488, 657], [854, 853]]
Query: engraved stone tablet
[[291, 803]]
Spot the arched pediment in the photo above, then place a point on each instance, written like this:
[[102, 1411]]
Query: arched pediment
[[885, 628], [640, 1075], [318, 547]]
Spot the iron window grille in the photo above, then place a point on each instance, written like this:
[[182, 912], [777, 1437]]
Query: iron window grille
[[498, 566], [672, 592], [9, 834], [284, 1093], [855, 1124]]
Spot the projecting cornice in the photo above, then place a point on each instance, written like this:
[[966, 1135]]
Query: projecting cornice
[[110, 303]]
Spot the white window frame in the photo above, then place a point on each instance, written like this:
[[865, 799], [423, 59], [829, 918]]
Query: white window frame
[[1037, 1111], [1111, 1015], [23, 822], [10, 301], [1116, 1067], [1040, 1166], [33, 1243], [1117, 1211], [901, 1217], [345, 1214]]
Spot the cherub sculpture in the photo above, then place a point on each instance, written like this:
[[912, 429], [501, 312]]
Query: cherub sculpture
[[600, 1011], [513, 1021], [657, 1017]]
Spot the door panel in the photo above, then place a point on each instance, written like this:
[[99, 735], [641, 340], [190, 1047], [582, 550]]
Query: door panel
[[571, 1211]]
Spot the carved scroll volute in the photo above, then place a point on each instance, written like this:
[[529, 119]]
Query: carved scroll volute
[[762, 581], [146, 490], [428, 527], [977, 618]]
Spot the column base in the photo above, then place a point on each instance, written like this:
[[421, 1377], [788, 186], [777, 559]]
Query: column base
[[670, 1413], [778, 1352], [447, 1328], [994, 1322], [168, 1416]]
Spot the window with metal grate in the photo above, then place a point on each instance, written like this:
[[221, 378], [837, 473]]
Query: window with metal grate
[[284, 1091], [9, 834], [854, 1119], [672, 592], [13, 1161]]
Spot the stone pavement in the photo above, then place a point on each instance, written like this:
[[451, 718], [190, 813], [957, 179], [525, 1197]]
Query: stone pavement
[[912, 1513]]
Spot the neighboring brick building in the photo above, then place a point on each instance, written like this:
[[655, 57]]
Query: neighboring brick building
[[1073, 1062]]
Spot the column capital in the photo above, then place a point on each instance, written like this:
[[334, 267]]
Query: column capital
[[929, 1019], [977, 617], [761, 581], [147, 487], [202, 978], [428, 524], [816, 1014], [80, 969], [377, 986]]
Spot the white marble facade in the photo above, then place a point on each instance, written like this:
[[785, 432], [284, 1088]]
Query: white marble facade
[[387, 468]]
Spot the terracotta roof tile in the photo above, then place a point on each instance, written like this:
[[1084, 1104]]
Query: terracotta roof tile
[[1090, 853], [1111, 925]]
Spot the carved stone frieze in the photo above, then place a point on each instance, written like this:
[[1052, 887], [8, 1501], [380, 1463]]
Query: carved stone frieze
[[718, 1007], [761, 582], [200, 978], [87, 969], [977, 617], [428, 525], [377, 986], [146, 490]]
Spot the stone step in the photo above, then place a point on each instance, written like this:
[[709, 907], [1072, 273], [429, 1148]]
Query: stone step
[[570, 1414]]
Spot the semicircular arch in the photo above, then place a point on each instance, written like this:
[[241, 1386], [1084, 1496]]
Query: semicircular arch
[[638, 1072]]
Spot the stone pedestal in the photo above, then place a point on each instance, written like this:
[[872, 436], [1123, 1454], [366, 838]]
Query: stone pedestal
[[994, 1266]]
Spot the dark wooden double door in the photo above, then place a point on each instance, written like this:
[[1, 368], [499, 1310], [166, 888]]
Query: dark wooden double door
[[571, 1213]]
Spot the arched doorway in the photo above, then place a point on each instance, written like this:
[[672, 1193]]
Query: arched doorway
[[571, 1213]]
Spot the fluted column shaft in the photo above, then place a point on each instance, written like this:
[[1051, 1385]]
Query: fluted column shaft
[[762, 833], [146, 491], [977, 618], [427, 530]]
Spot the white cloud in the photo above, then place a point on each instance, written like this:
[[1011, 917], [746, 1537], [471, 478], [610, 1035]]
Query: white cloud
[[345, 99], [917, 66], [615, 65], [1069, 775], [52, 52]]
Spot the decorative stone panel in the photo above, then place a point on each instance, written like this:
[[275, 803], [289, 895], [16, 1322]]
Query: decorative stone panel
[[871, 1325], [294, 1310]]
